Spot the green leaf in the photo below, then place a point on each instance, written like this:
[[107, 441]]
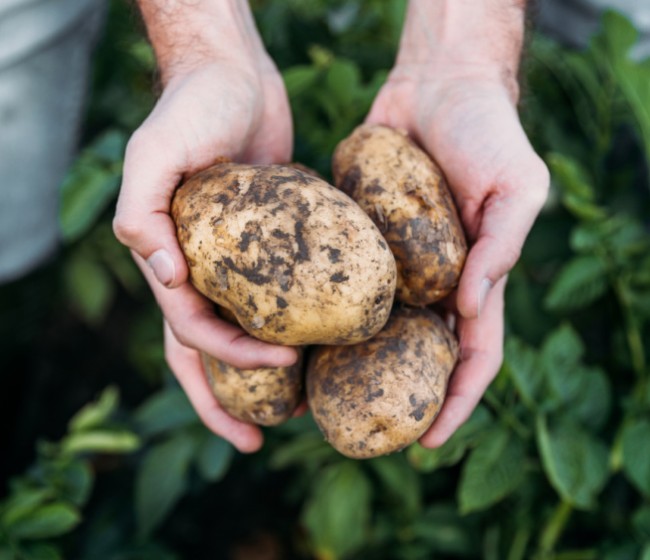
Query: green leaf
[[22, 502], [95, 413], [520, 364], [337, 514], [492, 471], [445, 531], [214, 457], [590, 397], [85, 194], [110, 146], [75, 480], [645, 553], [579, 283], [617, 37], [454, 449], [100, 441], [166, 410], [571, 176], [400, 483], [620, 234], [48, 521], [561, 352], [641, 523], [636, 454], [575, 462], [299, 79], [90, 288], [343, 80], [161, 480], [306, 448], [582, 208], [588, 237], [615, 44]]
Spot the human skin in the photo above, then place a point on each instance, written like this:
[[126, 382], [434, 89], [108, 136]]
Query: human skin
[[222, 96], [453, 88]]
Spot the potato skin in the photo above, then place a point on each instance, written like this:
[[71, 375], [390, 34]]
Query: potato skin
[[295, 260], [263, 396], [405, 194], [379, 396]]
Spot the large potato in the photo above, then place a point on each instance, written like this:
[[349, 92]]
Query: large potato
[[379, 396], [295, 260], [263, 396], [405, 194]]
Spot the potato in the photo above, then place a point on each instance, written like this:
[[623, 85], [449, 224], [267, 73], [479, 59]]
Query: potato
[[295, 260], [405, 194], [378, 396], [263, 396]]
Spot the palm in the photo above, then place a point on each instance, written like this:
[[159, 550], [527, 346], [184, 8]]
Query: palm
[[471, 128], [204, 115]]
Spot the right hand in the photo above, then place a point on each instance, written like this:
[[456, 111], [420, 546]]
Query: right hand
[[217, 109]]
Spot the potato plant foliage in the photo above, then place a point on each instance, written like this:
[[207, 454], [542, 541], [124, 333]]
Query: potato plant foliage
[[553, 464]]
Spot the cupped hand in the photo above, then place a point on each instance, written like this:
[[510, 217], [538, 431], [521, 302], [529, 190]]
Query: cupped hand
[[218, 109], [470, 126]]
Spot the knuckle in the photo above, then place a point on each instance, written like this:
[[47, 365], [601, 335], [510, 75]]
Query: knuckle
[[139, 141], [512, 253], [181, 336], [541, 184], [128, 232]]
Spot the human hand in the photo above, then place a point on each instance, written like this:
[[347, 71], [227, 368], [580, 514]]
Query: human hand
[[221, 108], [469, 124]]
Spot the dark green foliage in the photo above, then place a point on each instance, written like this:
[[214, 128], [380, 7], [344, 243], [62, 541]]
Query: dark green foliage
[[554, 464]]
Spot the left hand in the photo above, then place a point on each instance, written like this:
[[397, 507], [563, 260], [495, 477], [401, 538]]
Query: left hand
[[469, 124]]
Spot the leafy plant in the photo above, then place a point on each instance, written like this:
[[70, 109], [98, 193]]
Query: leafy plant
[[554, 464]]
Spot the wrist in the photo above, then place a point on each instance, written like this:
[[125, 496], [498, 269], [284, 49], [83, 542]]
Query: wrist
[[189, 35], [463, 39]]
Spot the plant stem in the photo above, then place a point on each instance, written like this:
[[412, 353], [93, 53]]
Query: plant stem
[[553, 530], [519, 542], [632, 332]]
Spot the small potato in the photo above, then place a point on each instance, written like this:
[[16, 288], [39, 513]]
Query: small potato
[[379, 396], [295, 259], [405, 194], [263, 396]]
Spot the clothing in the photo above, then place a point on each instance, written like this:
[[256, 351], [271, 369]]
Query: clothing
[[573, 22], [45, 48]]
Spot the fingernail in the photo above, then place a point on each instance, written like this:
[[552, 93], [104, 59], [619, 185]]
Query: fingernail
[[163, 267], [486, 286]]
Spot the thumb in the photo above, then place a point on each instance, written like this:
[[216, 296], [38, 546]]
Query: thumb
[[142, 221], [505, 222]]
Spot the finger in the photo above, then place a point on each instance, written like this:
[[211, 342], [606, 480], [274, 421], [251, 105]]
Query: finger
[[192, 319], [506, 219], [186, 365], [481, 351], [142, 221]]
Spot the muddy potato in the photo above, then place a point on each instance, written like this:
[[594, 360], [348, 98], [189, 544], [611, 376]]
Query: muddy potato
[[405, 194], [263, 396], [379, 396], [295, 259]]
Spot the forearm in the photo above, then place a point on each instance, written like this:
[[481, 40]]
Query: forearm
[[186, 35], [465, 36]]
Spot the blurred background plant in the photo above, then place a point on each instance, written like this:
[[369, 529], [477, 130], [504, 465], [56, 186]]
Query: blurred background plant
[[554, 464]]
